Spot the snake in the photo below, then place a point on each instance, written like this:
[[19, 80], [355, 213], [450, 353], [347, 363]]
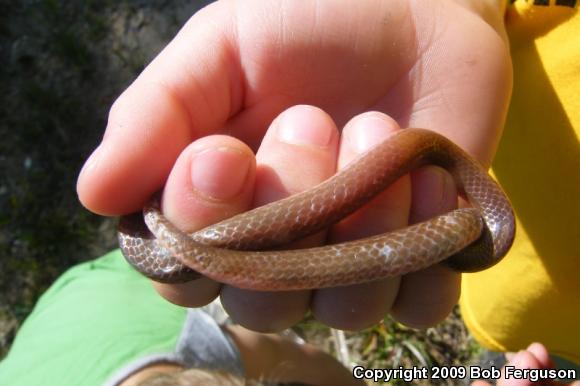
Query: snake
[[247, 250]]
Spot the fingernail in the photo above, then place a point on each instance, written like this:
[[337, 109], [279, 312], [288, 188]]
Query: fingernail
[[219, 173], [368, 132], [305, 129]]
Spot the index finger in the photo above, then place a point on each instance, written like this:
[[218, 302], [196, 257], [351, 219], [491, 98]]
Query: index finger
[[189, 90]]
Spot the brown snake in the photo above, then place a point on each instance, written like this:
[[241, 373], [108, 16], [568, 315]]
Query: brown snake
[[231, 251]]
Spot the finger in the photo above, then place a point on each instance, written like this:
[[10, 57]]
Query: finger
[[298, 152], [541, 353], [359, 306], [426, 297], [188, 91], [522, 360], [213, 179]]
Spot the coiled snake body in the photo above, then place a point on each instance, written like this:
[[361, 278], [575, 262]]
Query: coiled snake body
[[232, 251]]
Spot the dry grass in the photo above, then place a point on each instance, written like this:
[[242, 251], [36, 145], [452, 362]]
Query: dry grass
[[390, 345]]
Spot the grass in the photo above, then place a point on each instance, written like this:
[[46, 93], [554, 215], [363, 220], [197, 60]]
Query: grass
[[390, 345], [65, 64]]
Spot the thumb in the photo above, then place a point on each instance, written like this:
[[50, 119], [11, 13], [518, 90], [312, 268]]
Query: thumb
[[189, 90]]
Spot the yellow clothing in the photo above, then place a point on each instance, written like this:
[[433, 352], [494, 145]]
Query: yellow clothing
[[534, 293]]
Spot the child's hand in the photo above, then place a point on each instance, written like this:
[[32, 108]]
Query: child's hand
[[237, 65], [534, 357]]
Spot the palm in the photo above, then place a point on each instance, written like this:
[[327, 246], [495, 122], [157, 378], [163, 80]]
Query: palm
[[422, 72]]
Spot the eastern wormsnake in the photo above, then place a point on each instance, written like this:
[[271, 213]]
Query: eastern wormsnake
[[232, 251]]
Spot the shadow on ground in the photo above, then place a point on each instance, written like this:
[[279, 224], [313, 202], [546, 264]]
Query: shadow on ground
[[63, 64]]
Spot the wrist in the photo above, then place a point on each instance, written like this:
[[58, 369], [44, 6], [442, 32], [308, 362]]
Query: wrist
[[485, 8], [490, 11]]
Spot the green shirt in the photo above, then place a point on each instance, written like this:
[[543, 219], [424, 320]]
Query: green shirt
[[67, 339]]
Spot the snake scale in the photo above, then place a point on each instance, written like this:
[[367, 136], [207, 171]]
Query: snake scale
[[238, 251]]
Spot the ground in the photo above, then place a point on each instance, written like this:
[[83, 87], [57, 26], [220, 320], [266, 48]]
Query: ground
[[63, 64]]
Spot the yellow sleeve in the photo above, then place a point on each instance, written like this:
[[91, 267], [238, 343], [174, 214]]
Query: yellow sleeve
[[534, 294]]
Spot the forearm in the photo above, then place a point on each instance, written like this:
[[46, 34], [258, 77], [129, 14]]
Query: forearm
[[272, 357]]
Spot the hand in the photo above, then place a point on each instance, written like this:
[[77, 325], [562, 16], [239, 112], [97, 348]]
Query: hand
[[236, 66], [280, 360], [534, 357]]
